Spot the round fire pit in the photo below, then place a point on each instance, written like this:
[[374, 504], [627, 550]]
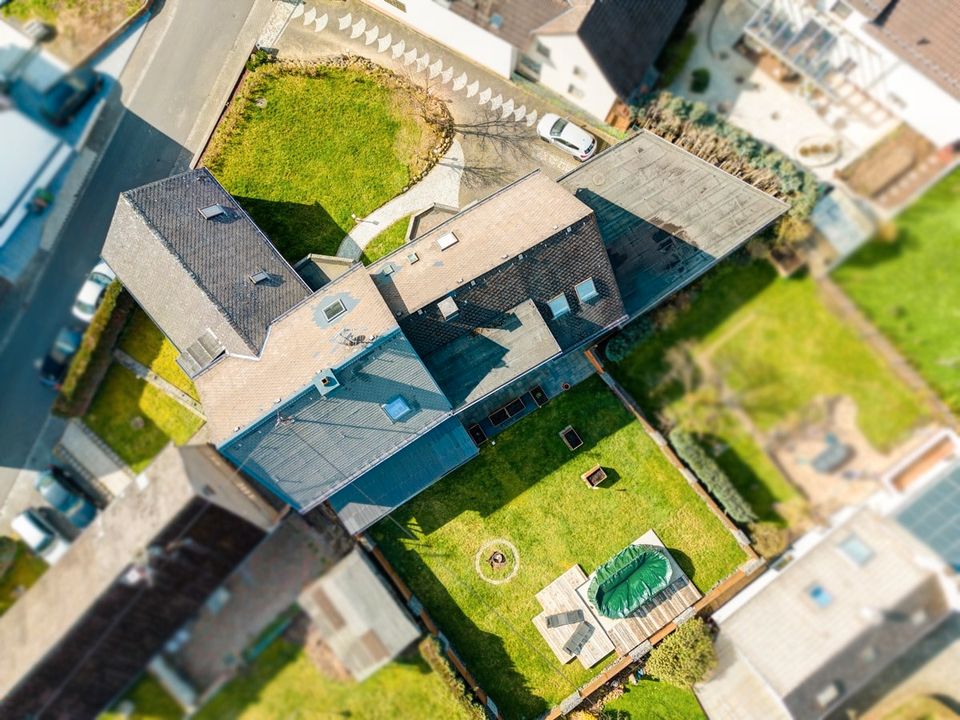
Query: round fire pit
[[497, 561]]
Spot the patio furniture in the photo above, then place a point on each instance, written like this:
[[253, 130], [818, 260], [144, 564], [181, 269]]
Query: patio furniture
[[579, 638], [832, 457], [628, 580], [570, 437], [559, 597], [565, 618], [594, 476]]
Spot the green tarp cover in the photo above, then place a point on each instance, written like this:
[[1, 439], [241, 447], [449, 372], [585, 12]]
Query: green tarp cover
[[629, 579]]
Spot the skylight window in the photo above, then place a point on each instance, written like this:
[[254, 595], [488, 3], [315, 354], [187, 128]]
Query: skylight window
[[559, 305], [820, 596], [212, 211], [856, 550], [587, 290], [397, 408], [334, 310], [259, 277], [447, 240], [448, 308], [496, 21]]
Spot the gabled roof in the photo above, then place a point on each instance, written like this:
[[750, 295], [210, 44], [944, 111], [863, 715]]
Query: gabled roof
[[192, 274], [487, 233], [518, 18]]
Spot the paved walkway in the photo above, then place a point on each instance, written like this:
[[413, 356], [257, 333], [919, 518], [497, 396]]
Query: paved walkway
[[147, 375], [441, 185]]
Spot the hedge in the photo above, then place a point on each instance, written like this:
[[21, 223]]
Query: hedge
[[93, 358], [710, 474], [685, 656], [431, 653]]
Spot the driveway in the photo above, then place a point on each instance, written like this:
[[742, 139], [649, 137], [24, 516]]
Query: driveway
[[495, 118]]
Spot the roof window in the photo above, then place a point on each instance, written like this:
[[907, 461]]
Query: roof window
[[447, 240], [448, 308], [397, 408], [587, 290], [334, 310], [259, 277], [413, 257], [856, 550], [496, 21], [820, 596], [212, 211], [559, 305], [828, 695]]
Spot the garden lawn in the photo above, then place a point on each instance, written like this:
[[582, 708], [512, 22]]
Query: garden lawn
[[25, 570], [123, 397], [386, 242], [652, 700], [283, 683], [302, 152], [143, 341], [527, 489], [909, 288]]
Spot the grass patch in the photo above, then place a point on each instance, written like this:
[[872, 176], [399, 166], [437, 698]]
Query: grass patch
[[122, 397], [304, 149], [283, 683], [23, 572], [527, 490], [143, 341], [908, 288], [386, 242], [652, 700]]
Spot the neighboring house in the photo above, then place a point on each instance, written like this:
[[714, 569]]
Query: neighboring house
[[594, 53], [89, 626], [876, 57], [360, 394], [831, 618]]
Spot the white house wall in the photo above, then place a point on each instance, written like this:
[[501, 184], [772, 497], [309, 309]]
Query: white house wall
[[444, 26], [557, 73]]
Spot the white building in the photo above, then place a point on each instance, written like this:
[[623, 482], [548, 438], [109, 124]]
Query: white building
[[593, 53], [878, 58]]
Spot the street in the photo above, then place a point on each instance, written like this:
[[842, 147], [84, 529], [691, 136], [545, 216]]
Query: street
[[167, 92]]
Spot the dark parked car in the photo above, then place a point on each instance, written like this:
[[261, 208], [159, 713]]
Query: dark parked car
[[70, 482], [78, 510], [64, 100], [54, 366]]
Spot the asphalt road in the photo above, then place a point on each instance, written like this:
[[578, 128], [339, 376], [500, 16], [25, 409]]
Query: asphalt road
[[164, 101]]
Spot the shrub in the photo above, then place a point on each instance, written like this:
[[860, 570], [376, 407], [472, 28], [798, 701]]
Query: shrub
[[699, 80], [769, 539], [431, 653], [674, 58], [887, 231], [685, 656], [710, 474], [258, 58], [621, 344]]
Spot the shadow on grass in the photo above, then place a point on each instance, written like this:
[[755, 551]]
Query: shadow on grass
[[878, 252], [745, 480], [296, 229]]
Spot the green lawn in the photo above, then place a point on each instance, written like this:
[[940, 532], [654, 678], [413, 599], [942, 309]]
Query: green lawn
[[909, 288], [143, 341], [651, 700], [283, 683], [24, 572], [777, 347], [386, 242], [302, 152], [122, 397], [526, 489]]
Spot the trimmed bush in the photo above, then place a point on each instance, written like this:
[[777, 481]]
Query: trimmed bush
[[90, 364], [711, 475], [699, 80], [674, 58], [622, 344], [769, 539], [432, 654], [685, 656]]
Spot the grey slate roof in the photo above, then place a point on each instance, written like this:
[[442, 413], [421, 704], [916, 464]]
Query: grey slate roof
[[410, 471], [191, 273], [519, 17], [665, 215], [329, 441]]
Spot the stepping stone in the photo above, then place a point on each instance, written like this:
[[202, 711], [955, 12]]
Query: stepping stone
[[297, 12], [446, 76], [519, 113], [345, 21], [496, 102], [371, 35], [435, 69], [507, 108], [384, 42], [472, 88], [397, 50], [409, 56], [358, 28], [531, 118], [321, 22], [460, 82], [423, 62], [485, 96], [309, 16]]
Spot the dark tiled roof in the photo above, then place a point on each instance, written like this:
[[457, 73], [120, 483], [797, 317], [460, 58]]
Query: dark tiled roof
[[219, 255], [626, 36], [519, 17]]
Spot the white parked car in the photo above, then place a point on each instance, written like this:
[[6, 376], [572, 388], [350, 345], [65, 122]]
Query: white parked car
[[90, 295], [566, 136], [40, 536]]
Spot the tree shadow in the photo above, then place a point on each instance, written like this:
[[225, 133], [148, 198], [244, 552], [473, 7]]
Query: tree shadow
[[745, 480], [295, 229], [878, 252]]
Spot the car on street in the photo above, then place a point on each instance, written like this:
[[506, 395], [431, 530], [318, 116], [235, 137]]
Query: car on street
[[69, 94], [568, 137], [70, 482], [40, 536], [91, 293], [53, 366], [77, 509]]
